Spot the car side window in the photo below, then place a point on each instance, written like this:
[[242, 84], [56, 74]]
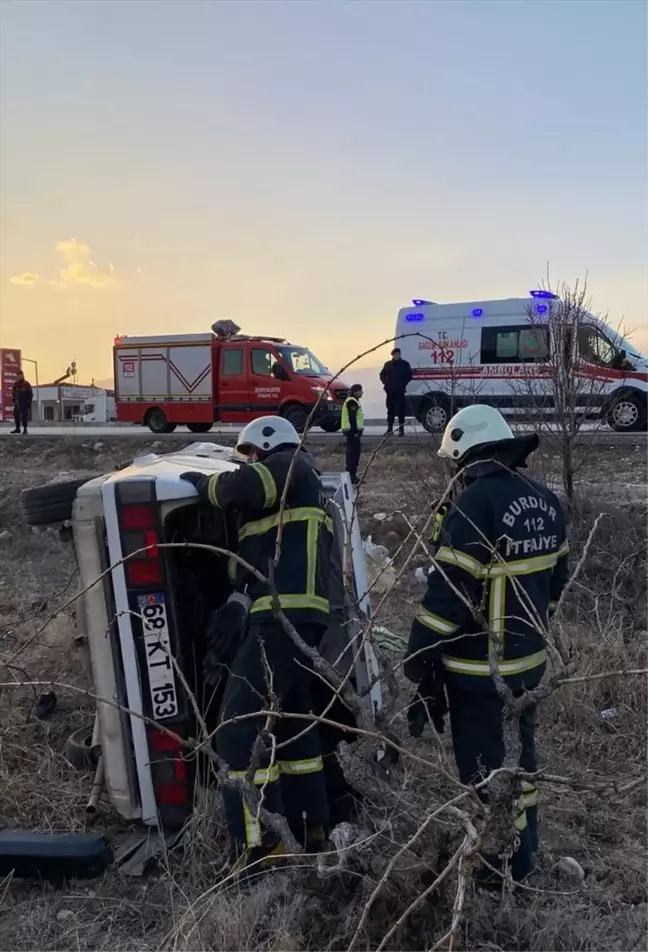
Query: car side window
[[514, 345], [232, 365], [262, 362]]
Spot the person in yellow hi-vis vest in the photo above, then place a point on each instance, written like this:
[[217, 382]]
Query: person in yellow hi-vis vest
[[352, 427]]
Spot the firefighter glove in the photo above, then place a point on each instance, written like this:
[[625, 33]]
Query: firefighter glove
[[196, 479], [226, 631]]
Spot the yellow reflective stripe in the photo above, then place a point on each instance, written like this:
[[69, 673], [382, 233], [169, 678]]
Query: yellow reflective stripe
[[439, 625], [481, 668], [211, 491], [461, 559], [535, 563], [299, 514], [553, 606], [497, 611], [261, 775], [297, 767], [268, 483], [529, 794], [314, 602], [563, 550], [312, 534], [521, 820], [252, 828]]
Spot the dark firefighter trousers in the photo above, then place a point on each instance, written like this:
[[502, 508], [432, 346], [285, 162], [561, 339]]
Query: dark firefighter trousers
[[476, 719], [396, 409], [292, 781], [353, 449]]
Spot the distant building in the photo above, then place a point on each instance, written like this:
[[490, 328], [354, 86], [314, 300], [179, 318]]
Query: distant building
[[57, 403]]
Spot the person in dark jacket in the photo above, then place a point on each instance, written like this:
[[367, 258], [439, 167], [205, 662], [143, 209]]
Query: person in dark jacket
[[395, 376], [268, 668], [353, 427], [504, 555], [22, 395]]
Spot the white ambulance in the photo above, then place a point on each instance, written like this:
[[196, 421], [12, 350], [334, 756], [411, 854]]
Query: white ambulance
[[499, 353]]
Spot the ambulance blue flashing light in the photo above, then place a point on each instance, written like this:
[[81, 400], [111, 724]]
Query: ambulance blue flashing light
[[541, 308], [414, 317], [477, 311], [419, 302], [544, 294]]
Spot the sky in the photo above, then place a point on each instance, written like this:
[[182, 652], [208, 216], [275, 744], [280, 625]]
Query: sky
[[307, 168]]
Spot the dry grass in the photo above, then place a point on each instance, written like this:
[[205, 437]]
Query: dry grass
[[189, 904]]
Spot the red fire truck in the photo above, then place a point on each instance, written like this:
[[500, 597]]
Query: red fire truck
[[196, 380]]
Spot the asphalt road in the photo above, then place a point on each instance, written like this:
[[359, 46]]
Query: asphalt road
[[601, 435]]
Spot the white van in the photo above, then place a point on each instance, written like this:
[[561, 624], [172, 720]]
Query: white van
[[498, 352]]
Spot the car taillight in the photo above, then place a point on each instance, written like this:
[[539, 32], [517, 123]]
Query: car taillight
[[140, 541], [170, 776]]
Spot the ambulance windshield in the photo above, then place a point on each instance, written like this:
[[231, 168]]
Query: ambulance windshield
[[302, 361]]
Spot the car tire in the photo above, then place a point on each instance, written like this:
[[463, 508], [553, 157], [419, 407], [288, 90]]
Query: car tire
[[46, 505], [199, 427], [627, 413], [331, 426], [297, 415], [157, 422], [435, 413], [78, 750]]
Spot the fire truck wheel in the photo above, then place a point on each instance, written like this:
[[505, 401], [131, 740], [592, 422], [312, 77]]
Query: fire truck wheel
[[46, 505], [296, 415], [199, 427], [157, 422], [627, 414]]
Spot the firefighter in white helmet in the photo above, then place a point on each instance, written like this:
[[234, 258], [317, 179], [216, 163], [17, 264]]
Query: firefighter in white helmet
[[267, 667], [500, 567]]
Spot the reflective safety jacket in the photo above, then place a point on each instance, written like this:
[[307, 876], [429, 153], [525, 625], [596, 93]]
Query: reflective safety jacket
[[504, 551], [254, 492], [353, 420]]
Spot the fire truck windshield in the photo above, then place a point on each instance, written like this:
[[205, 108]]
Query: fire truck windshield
[[302, 361]]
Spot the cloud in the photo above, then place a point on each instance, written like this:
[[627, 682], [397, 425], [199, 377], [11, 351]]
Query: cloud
[[80, 268], [26, 280]]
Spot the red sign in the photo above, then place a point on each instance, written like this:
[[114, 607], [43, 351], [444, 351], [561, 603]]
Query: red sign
[[10, 364]]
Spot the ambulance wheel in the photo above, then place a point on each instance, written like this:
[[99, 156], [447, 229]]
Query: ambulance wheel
[[199, 427], [627, 414], [296, 415], [157, 422], [435, 414]]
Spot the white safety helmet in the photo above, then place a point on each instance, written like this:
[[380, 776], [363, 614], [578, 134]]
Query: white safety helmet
[[471, 427], [266, 434]]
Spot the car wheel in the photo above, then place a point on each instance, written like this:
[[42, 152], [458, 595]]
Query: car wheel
[[435, 414], [78, 750], [627, 414], [46, 505], [331, 426], [199, 427], [157, 422], [296, 415]]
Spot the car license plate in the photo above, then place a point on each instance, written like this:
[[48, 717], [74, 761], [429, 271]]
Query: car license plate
[[162, 685]]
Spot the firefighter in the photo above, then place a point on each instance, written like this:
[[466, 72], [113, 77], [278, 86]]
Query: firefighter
[[22, 395], [268, 668], [503, 547], [353, 427]]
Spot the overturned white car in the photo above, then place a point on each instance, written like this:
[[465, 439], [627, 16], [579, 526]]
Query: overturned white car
[[142, 601]]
